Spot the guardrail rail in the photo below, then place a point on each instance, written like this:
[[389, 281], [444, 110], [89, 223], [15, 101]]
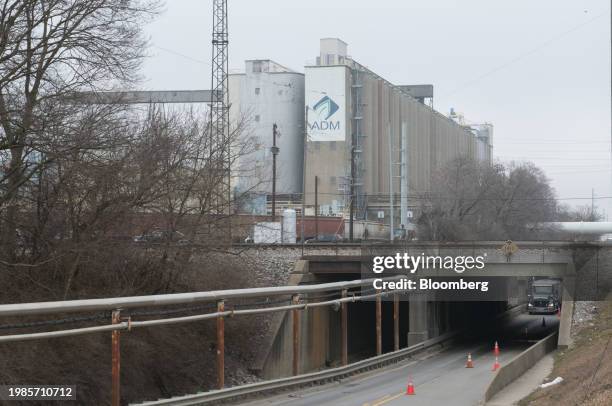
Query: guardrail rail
[[118, 307]]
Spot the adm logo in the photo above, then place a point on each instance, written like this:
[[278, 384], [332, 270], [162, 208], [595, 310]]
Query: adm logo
[[324, 109]]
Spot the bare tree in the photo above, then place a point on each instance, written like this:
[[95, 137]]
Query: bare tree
[[580, 213], [476, 200], [189, 187], [48, 50], [78, 179]]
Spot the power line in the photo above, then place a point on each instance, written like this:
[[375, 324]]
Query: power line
[[182, 55], [525, 54]]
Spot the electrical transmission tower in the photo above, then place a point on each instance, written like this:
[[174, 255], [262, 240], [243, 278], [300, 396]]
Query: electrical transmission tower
[[219, 109]]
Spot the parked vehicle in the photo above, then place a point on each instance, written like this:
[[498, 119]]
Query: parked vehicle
[[323, 238], [162, 236], [399, 234], [544, 296]]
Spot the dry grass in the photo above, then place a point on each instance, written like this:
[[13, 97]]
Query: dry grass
[[586, 368], [156, 362]]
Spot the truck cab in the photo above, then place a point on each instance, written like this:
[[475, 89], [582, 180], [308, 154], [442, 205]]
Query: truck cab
[[544, 297]]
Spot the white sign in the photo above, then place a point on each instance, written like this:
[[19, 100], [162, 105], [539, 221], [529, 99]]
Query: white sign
[[409, 214], [381, 214], [326, 103]]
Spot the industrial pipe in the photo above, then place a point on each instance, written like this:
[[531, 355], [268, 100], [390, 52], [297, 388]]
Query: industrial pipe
[[582, 227]]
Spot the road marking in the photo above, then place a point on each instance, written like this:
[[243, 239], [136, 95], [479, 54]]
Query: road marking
[[387, 399], [374, 401]]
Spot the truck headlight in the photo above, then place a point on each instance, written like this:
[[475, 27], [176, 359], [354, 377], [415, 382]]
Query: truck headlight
[[551, 305], [529, 305]]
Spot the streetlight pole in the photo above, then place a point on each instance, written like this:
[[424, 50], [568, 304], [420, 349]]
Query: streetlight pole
[[352, 202], [391, 197], [275, 150]]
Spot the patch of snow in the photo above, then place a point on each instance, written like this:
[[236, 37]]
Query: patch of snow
[[555, 381]]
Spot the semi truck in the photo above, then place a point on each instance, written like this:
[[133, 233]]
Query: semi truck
[[544, 296]]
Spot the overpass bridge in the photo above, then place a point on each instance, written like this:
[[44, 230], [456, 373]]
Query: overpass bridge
[[329, 321], [422, 315]]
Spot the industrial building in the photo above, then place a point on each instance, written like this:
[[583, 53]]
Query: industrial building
[[268, 93], [397, 140], [385, 140]]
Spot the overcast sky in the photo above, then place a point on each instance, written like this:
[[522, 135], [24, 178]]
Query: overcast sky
[[539, 71]]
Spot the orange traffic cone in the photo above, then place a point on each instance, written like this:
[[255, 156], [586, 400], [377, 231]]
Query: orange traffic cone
[[410, 388], [469, 363], [496, 365], [496, 349]]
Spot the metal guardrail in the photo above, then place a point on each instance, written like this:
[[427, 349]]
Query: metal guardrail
[[110, 304], [217, 299], [319, 377], [282, 384], [299, 302]]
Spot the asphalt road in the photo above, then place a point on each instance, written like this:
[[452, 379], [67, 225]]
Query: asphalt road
[[439, 379]]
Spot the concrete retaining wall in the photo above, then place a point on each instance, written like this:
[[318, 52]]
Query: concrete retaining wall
[[520, 364]]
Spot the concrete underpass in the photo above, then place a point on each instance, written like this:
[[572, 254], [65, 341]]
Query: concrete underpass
[[440, 318], [418, 321], [439, 376], [422, 318]]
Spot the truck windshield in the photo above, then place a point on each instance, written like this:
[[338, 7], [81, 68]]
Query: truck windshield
[[542, 290]]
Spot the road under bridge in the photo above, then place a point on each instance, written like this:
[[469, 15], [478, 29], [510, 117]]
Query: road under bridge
[[422, 316]]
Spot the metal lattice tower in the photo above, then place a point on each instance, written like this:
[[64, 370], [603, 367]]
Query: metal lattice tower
[[219, 112]]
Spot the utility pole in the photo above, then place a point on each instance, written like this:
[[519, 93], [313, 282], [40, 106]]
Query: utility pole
[[275, 150], [592, 204], [404, 178], [352, 203], [316, 207], [305, 146], [391, 197]]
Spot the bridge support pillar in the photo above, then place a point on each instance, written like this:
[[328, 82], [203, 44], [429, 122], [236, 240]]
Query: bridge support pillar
[[396, 316], [417, 319], [567, 311], [447, 318], [378, 324], [434, 318]]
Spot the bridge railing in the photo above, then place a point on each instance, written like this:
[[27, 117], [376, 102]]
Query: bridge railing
[[118, 307]]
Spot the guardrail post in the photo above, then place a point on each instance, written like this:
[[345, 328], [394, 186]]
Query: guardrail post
[[116, 361], [344, 328], [296, 335], [220, 346], [396, 345], [378, 323]]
